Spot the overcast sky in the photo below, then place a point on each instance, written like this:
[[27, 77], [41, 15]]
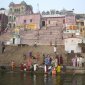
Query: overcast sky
[[77, 5]]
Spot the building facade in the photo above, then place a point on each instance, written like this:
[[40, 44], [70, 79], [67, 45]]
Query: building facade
[[71, 45], [52, 20], [18, 10], [70, 24], [81, 26], [29, 21], [3, 20]]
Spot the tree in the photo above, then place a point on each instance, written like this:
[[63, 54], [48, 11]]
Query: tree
[[52, 12], [47, 12], [43, 13]]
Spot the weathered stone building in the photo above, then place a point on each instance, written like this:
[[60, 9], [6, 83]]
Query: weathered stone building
[[3, 20], [81, 26], [18, 10], [52, 20], [71, 45], [29, 21]]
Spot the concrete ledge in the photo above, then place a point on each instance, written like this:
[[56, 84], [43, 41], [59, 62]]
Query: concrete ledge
[[79, 71]]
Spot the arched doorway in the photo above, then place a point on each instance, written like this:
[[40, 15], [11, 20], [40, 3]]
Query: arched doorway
[[13, 40], [13, 25], [43, 23], [10, 25]]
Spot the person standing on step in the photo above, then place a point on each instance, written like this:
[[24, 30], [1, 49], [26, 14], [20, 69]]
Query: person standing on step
[[55, 49], [56, 61], [3, 47]]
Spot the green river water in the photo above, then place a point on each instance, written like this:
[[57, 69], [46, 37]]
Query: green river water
[[16, 78]]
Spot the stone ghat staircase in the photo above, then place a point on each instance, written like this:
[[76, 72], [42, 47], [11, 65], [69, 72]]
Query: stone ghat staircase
[[6, 36], [42, 36], [16, 53]]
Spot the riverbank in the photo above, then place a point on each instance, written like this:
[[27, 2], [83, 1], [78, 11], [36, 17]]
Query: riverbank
[[40, 70], [16, 53]]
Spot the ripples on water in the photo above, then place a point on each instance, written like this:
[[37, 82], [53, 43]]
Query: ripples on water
[[14, 78]]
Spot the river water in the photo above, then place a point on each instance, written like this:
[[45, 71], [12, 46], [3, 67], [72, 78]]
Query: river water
[[15, 78]]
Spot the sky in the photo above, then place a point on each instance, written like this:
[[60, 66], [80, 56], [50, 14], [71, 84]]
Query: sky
[[40, 5]]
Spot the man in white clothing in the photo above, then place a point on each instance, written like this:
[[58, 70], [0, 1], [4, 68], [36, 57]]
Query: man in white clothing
[[54, 49], [78, 61]]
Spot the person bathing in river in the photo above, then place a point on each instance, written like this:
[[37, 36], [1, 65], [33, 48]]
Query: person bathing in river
[[13, 65]]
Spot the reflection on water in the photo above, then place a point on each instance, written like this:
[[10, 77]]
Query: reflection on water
[[78, 80], [30, 79]]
